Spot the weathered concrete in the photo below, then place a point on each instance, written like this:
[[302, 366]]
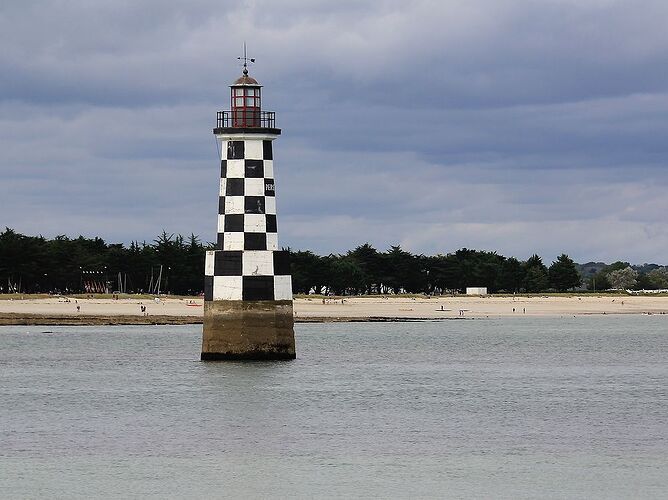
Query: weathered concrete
[[248, 330]]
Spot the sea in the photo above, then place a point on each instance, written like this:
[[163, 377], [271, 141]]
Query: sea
[[572, 407]]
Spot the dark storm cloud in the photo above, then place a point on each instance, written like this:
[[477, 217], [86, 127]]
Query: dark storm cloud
[[514, 126]]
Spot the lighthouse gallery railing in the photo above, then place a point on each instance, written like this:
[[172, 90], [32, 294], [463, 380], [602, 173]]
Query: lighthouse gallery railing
[[245, 118]]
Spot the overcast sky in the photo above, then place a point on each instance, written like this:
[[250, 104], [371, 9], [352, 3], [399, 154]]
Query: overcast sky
[[508, 125]]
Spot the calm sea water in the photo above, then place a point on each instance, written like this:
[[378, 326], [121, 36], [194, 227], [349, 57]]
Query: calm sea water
[[510, 408]]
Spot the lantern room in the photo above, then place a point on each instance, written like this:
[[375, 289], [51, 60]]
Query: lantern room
[[245, 101], [246, 108]]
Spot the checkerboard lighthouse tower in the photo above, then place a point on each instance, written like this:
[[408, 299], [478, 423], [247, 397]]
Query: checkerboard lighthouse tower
[[247, 285]]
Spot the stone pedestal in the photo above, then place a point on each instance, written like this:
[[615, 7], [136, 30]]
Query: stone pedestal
[[248, 330]]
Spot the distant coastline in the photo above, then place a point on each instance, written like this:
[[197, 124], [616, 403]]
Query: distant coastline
[[127, 310]]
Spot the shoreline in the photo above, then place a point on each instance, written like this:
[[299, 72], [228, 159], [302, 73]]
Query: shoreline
[[134, 310], [70, 320]]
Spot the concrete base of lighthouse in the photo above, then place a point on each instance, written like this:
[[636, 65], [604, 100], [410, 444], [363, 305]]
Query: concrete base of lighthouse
[[248, 330]]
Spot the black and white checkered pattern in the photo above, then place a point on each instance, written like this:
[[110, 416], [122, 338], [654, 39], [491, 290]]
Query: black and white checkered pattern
[[247, 204], [247, 275], [247, 264]]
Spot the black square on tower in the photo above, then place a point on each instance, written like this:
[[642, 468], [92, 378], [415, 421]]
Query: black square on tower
[[269, 187], [221, 204], [271, 223], [220, 242], [281, 262], [267, 153], [254, 169], [234, 223], [258, 288], [223, 168], [227, 263], [208, 287], [255, 241], [235, 150], [234, 187], [254, 204]]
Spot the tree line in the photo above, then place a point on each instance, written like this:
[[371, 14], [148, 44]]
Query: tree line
[[174, 264], [34, 264], [365, 270]]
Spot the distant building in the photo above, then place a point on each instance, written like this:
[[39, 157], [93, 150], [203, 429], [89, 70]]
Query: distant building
[[476, 290]]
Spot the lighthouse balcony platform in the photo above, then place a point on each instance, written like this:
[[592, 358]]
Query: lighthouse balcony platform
[[246, 120]]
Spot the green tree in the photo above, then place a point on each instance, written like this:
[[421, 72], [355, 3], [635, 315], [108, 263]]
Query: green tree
[[563, 274], [346, 275], [447, 272], [443, 272], [308, 271], [193, 267], [615, 266], [403, 271], [643, 282], [511, 275], [658, 278], [535, 275], [623, 279], [599, 281], [370, 265]]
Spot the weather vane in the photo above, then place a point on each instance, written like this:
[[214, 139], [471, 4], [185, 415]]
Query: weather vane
[[245, 60]]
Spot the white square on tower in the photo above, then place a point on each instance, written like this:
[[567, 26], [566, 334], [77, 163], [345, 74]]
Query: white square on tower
[[272, 241], [208, 263], [255, 223], [283, 287], [253, 149], [235, 169], [233, 241], [234, 205], [227, 287], [223, 186], [270, 205], [269, 169], [254, 187], [257, 263]]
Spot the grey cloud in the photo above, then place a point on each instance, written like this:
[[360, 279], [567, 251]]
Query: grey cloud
[[508, 125]]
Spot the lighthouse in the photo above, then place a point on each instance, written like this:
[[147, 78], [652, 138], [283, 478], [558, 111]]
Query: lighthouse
[[248, 312]]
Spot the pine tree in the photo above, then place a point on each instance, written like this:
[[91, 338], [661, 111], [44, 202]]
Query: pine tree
[[535, 278], [563, 273]]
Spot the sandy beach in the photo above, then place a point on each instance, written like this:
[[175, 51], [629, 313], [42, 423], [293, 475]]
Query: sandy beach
[[180, 310]]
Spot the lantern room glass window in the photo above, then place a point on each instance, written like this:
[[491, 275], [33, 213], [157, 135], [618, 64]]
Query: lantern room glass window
[[245, 97], [245, 106]]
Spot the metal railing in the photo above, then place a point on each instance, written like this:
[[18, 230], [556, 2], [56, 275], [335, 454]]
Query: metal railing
[[245, 118]]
